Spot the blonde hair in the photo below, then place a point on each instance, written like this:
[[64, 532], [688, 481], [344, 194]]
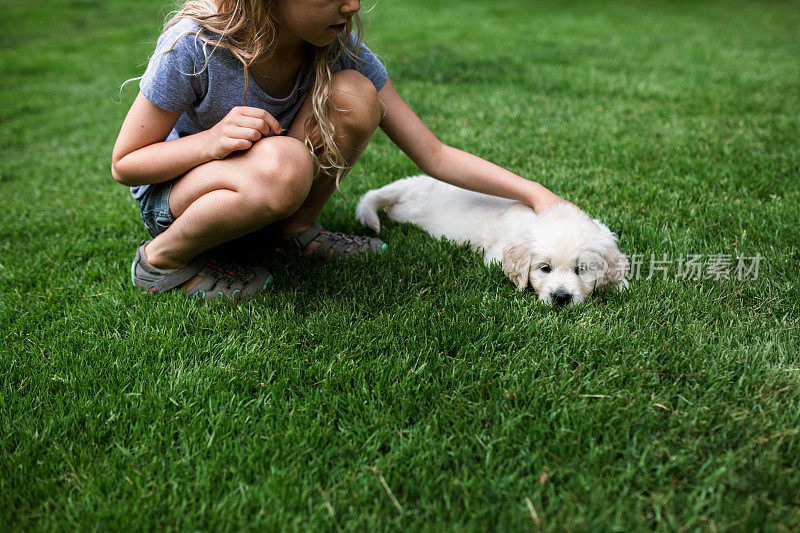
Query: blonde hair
[[248, 28]]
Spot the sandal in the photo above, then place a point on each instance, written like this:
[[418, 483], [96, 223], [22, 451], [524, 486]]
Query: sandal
[[331, 243], [219, 279]]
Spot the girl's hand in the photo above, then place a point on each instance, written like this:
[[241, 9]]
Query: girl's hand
[[545, 199], [240, 128]]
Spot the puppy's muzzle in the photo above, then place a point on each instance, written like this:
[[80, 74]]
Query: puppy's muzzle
[[560, 298]]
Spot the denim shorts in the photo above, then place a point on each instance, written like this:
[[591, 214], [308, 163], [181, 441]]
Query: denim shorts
[[154, 208]]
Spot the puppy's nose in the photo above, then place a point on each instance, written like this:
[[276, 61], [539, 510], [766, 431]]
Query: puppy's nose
[[561, 298]]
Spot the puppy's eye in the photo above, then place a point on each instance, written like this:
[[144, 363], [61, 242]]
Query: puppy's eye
[[579, 270], [545, 269]]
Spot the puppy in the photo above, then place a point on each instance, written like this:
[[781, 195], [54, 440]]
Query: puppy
[[562, 253]]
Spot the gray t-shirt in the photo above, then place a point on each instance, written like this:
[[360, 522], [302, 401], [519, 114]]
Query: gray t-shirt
[[204, 82]]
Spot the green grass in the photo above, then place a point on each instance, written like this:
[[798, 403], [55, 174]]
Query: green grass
[[672, 406]]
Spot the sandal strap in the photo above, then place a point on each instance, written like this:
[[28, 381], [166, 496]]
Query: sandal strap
[[324, 247], [167, 279], [302, 239], [177, 278]]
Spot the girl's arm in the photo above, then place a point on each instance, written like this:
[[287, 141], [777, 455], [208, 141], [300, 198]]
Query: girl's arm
[[141, 156], [451, 165]]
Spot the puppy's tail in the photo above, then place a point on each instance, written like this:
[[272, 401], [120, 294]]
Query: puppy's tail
[[372, 201]]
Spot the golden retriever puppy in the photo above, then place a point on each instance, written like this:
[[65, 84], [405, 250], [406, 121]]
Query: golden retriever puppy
[[562, 253]]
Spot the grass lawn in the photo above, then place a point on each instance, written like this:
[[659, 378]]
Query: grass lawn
[[418, 389]]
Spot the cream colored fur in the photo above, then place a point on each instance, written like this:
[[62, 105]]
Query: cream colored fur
[[562, 253]]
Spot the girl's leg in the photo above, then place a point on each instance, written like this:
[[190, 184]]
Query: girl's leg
[[225, 199], [356, 115]]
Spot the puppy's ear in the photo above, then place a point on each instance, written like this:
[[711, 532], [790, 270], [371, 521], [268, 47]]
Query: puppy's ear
[[517, 264], [616, 269], [616, 263]]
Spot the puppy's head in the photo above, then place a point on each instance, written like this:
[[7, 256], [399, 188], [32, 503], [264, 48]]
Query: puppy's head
[[564, 256]]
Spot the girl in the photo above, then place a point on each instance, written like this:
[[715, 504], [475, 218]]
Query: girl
[[250, 112]]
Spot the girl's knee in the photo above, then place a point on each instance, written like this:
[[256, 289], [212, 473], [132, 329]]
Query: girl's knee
[[283, 173], [282, 156], [355, 101]]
